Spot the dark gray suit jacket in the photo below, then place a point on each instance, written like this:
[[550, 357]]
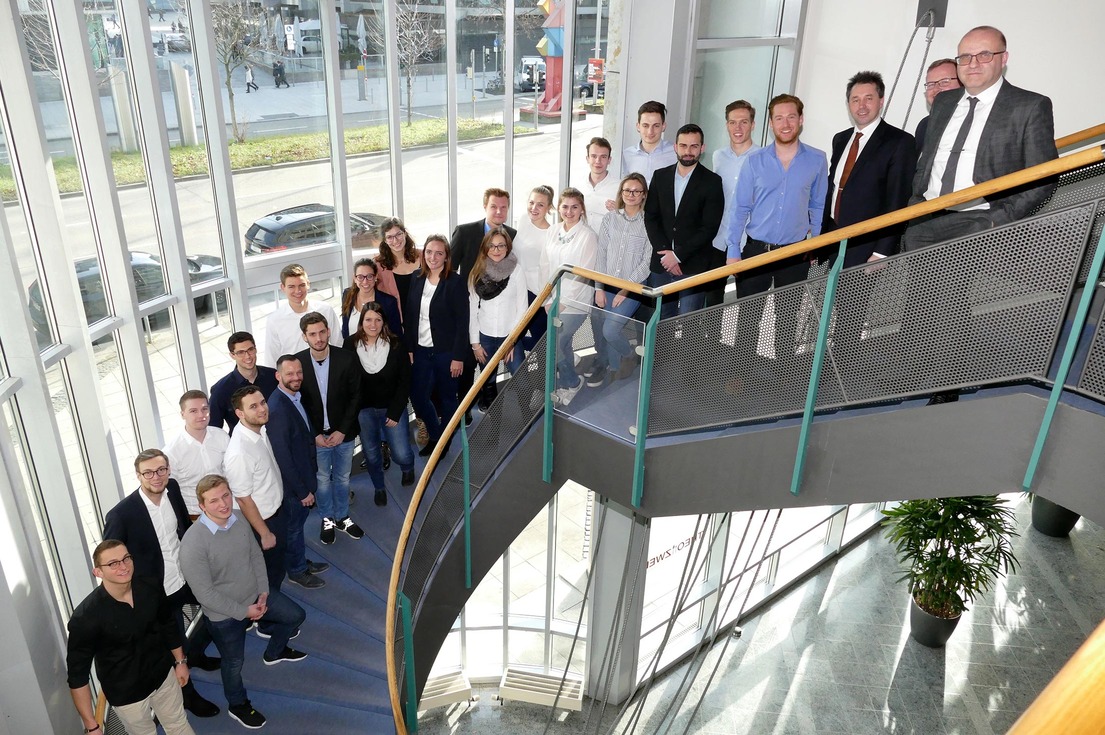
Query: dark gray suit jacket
[[1020, 132]]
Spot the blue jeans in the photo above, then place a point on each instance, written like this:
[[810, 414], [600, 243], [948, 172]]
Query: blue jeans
[[295, 551], [566, 376], [283, 615], [334, 466], [429, 371], [613, 319], [374, 429], [682, 303]]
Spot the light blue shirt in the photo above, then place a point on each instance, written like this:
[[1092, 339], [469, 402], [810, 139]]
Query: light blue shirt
[[297, 401], [214, 527], [777, 205], [637, 160], [728, 166], [681, 185], [322, 377]]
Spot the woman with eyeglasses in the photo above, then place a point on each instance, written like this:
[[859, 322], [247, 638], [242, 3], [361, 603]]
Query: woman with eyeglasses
[[570, 242], [385, 388], [364, 291], [496, 303], [528, 245], [624, 252], [398, 260], [435, 319]]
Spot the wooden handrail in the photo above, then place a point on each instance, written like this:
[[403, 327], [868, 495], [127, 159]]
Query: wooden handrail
[[1044, 170], [1082, 135], [1072, 703]]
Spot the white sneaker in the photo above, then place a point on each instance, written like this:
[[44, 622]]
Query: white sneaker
[[568, 394]]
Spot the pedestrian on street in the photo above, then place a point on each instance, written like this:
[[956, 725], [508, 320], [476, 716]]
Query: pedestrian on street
[[249, 78]]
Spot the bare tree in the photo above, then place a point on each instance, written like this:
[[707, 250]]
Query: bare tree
[[416, 39], [235, 25]]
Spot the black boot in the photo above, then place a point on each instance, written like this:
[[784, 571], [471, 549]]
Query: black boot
[[196, 704]]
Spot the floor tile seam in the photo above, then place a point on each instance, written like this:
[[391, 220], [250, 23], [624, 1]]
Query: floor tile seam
[[1073, 608]]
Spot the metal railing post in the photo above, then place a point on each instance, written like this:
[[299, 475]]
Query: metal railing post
[[408, 658], [643, 403], [550, 382], [467, 506], [1065, 363], [815, 371]]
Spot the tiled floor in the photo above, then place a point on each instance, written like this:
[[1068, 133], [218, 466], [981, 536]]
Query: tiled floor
[[834, 656]]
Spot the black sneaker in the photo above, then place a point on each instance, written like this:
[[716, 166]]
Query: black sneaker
[[246, 715], [349, 527], [327, 535], [266, 634], [306, 580], [381, 497], [597, 377], [317, 567], [289, 655], [408, 478]]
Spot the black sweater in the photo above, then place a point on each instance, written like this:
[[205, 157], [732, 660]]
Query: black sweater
[[391, 387]]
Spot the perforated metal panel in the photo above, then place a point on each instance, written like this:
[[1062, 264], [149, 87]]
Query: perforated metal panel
[[1076, 187], [981, 309], [1092, 380]]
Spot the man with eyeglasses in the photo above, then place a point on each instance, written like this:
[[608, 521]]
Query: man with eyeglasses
[[243, 350], [988, 129], [150, 522], [941, 76], [125, 626]]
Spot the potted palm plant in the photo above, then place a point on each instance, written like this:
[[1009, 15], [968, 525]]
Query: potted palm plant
[[953, 549]]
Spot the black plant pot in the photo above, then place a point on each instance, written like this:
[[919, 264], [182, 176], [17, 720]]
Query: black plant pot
[[1052, 519], [929, 630]]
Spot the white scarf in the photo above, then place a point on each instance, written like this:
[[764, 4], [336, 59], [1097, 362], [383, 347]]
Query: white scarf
[[374, 356]]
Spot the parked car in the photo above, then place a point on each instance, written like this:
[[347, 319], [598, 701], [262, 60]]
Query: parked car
[[308, 224], [177, 42], [587, 88], [149, 282], [310, 44]]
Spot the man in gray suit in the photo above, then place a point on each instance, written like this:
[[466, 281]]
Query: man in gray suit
[[987, 129]]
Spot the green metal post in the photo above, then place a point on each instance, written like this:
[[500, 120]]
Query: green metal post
[[1065, 363], [550, 382], [815, 371], [467, 506], [642, 405], [408, 657]]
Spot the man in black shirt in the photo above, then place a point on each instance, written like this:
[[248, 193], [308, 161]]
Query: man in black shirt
[[246, 371], [126, 626]]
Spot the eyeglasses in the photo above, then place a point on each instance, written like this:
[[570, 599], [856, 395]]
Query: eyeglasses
[[497, 246], [984, 57], [160, 472], [113, 565], [243, 353], [362, 277], [396, 237], [945, 83], [633, 192]]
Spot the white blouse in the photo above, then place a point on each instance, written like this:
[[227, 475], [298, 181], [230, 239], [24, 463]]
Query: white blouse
[[578, 246], [528, 247], [496, 317]]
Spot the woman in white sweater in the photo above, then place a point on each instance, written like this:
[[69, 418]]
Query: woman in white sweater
[[529, 244], [570, 242], [496, 303]]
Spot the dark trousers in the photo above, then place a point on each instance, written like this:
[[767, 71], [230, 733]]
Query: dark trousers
[[715, 292], [429, 371], [295, 547], [193, 648], [783, 273], [536, 327], [274, 558]]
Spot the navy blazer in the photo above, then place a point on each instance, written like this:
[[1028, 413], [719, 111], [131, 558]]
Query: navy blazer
[[448, 316], [342, 393], [1019, 132], [690, 231], [293, 445], [880, 182], [464, 245], [129, 522], [392, 317]]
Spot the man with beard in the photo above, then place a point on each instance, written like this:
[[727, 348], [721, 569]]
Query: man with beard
[[780, 200], [682, 215]]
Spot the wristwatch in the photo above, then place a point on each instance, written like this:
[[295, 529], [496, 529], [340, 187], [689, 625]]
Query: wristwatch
[[181, 661]]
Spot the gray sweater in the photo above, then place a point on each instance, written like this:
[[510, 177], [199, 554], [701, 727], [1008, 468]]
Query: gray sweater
[[225, 570]]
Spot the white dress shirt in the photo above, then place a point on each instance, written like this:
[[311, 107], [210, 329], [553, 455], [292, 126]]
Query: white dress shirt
[[164, 525], [595, 197], [190, 461], [252, 471], [283, 335], [965, 171]]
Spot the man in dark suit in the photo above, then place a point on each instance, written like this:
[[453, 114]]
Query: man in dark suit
[[682, 215], [331, 380], [150, 522], [293, 445], [941, 76], [464, 246], [985, 130]]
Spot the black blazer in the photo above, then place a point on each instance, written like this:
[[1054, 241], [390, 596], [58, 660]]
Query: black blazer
[[392, 317], [448, 316], [293, 445], [689, 232], [919, 135], [880, 182], [129, 522], [464, 245], [391, 387], [1019, 132], [341, 395]]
